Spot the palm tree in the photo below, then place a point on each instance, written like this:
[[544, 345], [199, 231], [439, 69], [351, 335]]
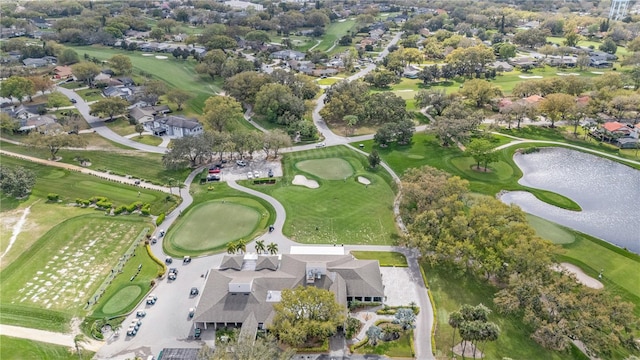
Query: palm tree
[[272, 248], [170, 181], [455, 319], [260, 246], [180, 186], [77, 340], [241, 245], [231, 248]]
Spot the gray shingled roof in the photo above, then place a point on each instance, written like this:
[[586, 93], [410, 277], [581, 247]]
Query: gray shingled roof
[[267, 262], [344, 277]]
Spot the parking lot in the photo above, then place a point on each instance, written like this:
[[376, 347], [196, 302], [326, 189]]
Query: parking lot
[[258, 167]]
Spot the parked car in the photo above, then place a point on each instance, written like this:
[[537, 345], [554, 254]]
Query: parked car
[[250, 175], [270, 173], [192, 312], [256, 174], [151, 299], [154, 240], [73, 101], [218, 165], [194, 291], [241, 163], [186, 259], [131, 331], [213, 177], [319, 145], [168, 260], [214, 170], [136, 324], [173, 274], [161, 233], [141, 313], [196, 333]]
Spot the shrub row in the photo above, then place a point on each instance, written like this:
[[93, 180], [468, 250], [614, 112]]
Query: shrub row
[[391, 310], [318, 349], [355, 304], [160, 219], [154, 258], [359, 344], [53, 197]]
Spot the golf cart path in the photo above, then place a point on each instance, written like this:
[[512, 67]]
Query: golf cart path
[[48, 337], [518, 140]]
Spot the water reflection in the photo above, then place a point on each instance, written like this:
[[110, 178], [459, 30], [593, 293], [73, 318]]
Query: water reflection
[[607, 192]]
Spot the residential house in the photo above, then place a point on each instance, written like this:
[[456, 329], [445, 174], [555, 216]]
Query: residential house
[[35, 62], [243, 5], [288, 55], [523, 62], [324, 72], [616, 129], [63, 72], [174, 126], [376, 34], [627, 143], [501, 66], [143, 115], [21, 112], [40, 23], [41, 123], [564, 61], [242, 291], [411, 72], [117, 91]]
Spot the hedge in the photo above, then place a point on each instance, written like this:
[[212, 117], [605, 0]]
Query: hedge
[[154, 258], [53, 197], [318, 349], [160, 219]]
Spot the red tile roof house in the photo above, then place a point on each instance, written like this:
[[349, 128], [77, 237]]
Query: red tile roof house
[[62, 72], [616, 129]]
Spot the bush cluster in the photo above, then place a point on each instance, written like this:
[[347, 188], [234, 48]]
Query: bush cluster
[[53, 197], [160, 219]]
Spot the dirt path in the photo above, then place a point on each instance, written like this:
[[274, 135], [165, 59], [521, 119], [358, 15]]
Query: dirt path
[[47, 336], [17, 229]]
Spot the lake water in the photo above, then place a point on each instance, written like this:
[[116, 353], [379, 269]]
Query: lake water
[[607, 192]]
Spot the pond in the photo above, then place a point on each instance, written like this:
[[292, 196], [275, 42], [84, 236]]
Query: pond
[[607, 192]]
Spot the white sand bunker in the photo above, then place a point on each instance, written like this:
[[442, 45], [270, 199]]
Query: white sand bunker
[[568, 74], [363, 180], [161, 57], [597, 72], [303, 181], [583, 278], [147, 54], [530, 77]]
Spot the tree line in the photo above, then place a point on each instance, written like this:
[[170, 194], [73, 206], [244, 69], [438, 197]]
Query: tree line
[[486, 239]]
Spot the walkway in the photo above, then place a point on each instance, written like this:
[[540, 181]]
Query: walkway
[[48, 337]]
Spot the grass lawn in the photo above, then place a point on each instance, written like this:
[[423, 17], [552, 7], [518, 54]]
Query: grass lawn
[[334, 32], [327, 81], [121, 126], [385, 258], [328, 169], [339, 211], [20, 349], [146, 166], [73, 85], [449, 293], [400, 348], [148, 139], [90, 94], [123, 293], [209, 196], [61, 270], [426, 150], [210, 225], [71, 185], [551, 231], [179, 74]]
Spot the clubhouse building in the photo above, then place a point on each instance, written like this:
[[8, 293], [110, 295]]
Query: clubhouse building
[[242, 291]]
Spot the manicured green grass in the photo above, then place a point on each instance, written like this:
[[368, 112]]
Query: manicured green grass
[[121, 126], [179, 74], [90, 94], [328, 169], [339, 211], [73, 85], [620, 275], [148, 139], [71, 185], [449, 293], [426, 150], [385, 258], [20, 349], [64, 268], [123, 293], [327, 81], [550, 231], [138, 164], [334, 32], [209, 226], [400, 348], [214, 193]]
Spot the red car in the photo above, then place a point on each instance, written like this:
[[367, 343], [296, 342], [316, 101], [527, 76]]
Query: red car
[[214, 170]]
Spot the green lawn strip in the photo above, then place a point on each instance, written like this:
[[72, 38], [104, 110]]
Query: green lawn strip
[[73, 85], [558, 134], [20, 349], [339, 211], [148, 139], [426, 150], [209, 226], [138, 164], [121, 126], [203, 194], [385, 258], [90, 94], [178, 74], [68, 262], [334, 32], [34, 317], [71, 185], [123, 294], [551, 231], [449, 293], [400, 348]]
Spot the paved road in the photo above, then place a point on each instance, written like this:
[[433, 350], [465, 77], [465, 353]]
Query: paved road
[[98, 125]]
